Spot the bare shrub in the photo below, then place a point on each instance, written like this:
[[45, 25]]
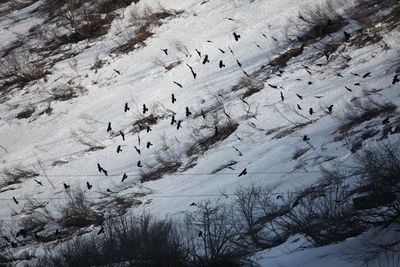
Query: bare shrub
[[362, 111], [90, 143], [135, 241], [281, 60], [257, 217], [300, 152], [27, 113], [76, 211], [319, 21], [251, 84], [15, 175], [66, 92], [324, 213], [20, 70], [211, 238]]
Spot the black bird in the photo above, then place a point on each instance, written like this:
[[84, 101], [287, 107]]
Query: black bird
[[165, 51], [274, 38], [119, 73], [105, 172], [56, 232], [139, 164], [138, 138], [385, 121], [245, 73], [209, 41], [222, 51], [173, 120], [119, 149], [21, 232], [221, 64], [310, 82], [395, 79], [205, 60], [15, 200], [239, 64], [137, 150], [145, 109], [148, 129], [39, 183], [355, 74], [89, 186], [230, 49], [230, 19], [178, 124], [122, 135], [299, 96], [357, 84], [311, 111], [346, 35], [173, 99], [258, 45], [108, 190], [149, 144], [109, 129], [198, 52], [348, 89], [265, 36], [273, 86], [366, 75], [180, 85], [66, 186], [188, 113], [279, 197], [203, 114], [244, 172], [298, 106], [126, 108], [101, 231], [124, 177], [193, 73], [236, 36], [99, 167], [282, 97], [305, 138], [330, 108], [200, 234]]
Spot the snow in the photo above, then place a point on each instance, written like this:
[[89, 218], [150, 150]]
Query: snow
[[49, 138]]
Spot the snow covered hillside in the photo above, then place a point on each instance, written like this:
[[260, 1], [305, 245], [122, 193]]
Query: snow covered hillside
[[158, 106]]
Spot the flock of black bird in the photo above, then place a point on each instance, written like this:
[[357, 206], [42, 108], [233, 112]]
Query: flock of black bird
[[188, 113]]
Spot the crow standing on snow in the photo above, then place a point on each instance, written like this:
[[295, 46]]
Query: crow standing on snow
[[305, 138], [236, 36], [173, 99], [139, 164], [330, 108], [188, 113], [109, 129], [221, 64], [206, 60]]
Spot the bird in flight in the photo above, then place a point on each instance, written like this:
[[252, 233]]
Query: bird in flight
[[126, 108], [122, 135], [221, 64], [124, 177], [244, 172], [119, 149], [180, 85], [205, 60], [137, 150], [165, 51], [89, 186], [236, 36], [173, 99], [39, 183], [145, 109], [109, 129]]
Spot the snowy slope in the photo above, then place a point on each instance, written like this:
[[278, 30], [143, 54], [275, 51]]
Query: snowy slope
[[268, 159]]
